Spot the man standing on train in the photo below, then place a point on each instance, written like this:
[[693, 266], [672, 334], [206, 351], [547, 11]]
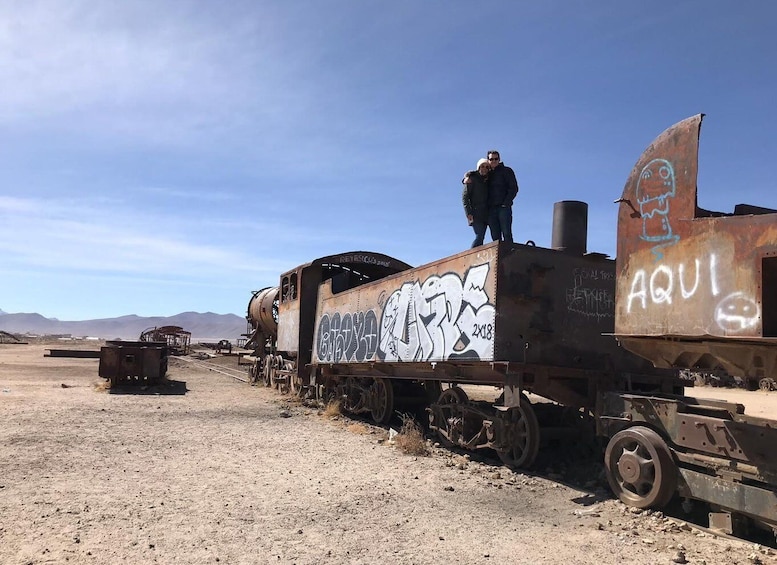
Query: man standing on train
[[502, 190]]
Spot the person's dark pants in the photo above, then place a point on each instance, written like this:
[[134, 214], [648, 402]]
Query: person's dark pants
[[480, 232], [505, 214], [494, 224]]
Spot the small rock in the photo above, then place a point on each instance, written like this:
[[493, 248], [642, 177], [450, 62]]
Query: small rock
[[284, 414], [448, 488], [679, 557]]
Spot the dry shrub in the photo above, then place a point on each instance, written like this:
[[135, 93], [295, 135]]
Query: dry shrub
[[358, 428], [410, 439], [333, 409], [103, 386]]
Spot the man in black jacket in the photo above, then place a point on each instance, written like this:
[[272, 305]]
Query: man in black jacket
[[502, 189]]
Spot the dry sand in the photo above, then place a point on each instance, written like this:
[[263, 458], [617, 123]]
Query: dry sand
[[213, 470]]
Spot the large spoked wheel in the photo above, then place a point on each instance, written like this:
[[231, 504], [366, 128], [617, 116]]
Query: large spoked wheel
[[295, 385], [452, 420], [382, 405], [523, 436], [640, 468], [267, 370]]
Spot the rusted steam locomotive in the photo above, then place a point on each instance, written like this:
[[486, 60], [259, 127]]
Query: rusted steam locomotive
[[690, 289]]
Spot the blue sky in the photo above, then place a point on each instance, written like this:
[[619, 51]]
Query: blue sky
[[166, 156]]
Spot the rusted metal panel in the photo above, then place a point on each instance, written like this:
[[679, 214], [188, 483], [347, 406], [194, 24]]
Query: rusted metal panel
[[685, 272], [555, 308], [438, 312]]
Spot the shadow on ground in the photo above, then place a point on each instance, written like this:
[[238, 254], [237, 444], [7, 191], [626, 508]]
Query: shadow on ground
[[162, 388]]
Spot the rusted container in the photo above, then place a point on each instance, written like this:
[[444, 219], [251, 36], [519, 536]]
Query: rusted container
[[696, 288], [133, 361], [481, 316]]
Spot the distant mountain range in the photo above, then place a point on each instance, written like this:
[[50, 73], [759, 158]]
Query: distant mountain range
[[203, 327]]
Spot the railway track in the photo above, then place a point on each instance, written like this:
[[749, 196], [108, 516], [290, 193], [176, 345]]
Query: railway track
[[236, 374]]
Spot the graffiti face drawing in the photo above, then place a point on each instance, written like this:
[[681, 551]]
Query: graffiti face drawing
[[737, 312], [655, 190]]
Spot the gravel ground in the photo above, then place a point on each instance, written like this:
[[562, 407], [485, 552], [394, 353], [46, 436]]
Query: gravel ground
[[207, 469]]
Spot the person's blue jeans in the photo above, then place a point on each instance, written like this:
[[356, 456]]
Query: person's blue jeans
[[500, 222], [480, 232], [505, 215]]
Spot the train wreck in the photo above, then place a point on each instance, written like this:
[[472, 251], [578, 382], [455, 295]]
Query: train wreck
[[603, 340]]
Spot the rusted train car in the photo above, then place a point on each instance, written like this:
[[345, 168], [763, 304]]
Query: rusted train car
[[599, 338], [696, 290]]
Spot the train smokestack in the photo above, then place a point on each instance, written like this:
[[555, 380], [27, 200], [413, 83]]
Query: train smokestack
[[570, 227]]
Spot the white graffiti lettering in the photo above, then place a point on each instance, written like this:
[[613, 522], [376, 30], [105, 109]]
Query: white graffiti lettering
[[442, 317], [660, 285]]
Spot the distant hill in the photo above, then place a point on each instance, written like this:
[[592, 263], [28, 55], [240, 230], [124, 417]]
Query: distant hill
[[203, 327]]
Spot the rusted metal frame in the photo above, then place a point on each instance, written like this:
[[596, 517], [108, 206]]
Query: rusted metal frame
[[445, 372], [712, 434], [750, 500], [485, 432], [725, 468], [73, 353]]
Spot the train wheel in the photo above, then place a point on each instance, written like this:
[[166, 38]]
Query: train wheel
[[382, 406], [523, 436], [452, 418], [640, 468], [267, 371], [295, 384], [277, 365]]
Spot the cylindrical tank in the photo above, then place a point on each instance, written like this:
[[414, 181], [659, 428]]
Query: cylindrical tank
[[570, 227], [263, 311]]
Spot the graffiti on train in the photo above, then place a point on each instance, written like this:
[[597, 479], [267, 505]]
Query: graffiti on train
[[347, 337], [667, 284], [585, 298], [655, 190], [444, 317]]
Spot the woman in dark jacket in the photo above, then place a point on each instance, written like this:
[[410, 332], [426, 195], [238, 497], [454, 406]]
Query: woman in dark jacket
[[475, 200]]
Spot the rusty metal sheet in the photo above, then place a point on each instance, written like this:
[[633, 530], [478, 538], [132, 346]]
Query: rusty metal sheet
[[688, 273], [288, 327]]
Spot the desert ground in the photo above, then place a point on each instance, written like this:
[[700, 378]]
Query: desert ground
[[208, 469]]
